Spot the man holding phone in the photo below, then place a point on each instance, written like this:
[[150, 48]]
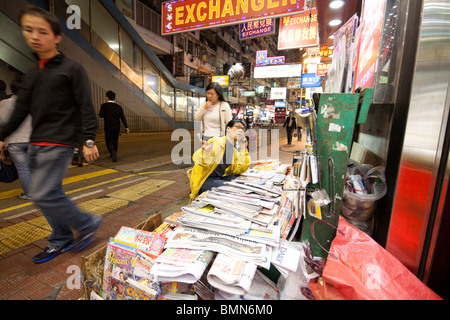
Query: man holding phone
[[218, 161]]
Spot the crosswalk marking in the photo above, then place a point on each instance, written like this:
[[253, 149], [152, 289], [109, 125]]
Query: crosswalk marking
[[23, 205], [18, 191], [24, 233]]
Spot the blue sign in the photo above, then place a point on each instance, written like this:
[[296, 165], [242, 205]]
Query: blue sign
[[257, 28], [280, 104], [310, 80]]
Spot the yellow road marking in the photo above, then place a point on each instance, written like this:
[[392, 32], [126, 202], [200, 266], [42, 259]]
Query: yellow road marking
[[68, 192], [24, 233], [17, 192]]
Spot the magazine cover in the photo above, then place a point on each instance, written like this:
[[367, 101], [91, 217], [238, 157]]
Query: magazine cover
[[150, 243], [119, 262]]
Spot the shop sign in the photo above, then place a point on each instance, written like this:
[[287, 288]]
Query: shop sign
[[258, 28], [293, 95], [262, 59], [310, 80], [299, 31], [248, 93], [294, 83], [280, 104], [187, 15], [260, 89], [369, 43], [222, 80], [278, 71], [278, 93], [322, 68], [197, 81], [325, 51]]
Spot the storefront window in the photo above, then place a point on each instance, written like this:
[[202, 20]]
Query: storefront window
[[131, 56], [167, 97], [194, 104], [182, 106], [105, 37], [151, 81]]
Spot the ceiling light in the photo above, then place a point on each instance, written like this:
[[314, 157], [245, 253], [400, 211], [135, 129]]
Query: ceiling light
[[336, 4], [334, 22]]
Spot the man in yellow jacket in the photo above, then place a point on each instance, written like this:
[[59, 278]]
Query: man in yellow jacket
[[218, 160]]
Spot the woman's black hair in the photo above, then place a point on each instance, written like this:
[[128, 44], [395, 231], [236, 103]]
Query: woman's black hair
[[218, 88], [231, 123]]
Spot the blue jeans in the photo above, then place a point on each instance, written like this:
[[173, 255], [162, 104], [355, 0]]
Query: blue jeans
[[48, 167], [18, 152]]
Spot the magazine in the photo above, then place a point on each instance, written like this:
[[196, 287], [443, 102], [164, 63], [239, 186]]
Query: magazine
[[166, 229], [118, 268], [150, 243], [191, 238], [231, 275], [179, 264]]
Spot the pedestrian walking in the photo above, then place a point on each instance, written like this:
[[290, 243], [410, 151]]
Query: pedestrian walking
[[112, 113], [214, 113], [290, 124], [17, 143], [57, 94]]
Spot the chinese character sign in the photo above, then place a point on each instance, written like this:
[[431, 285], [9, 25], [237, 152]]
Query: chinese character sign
[[187, 15], [322, 68], [310, 80], [262, 59], [298, 31], [253, 29]]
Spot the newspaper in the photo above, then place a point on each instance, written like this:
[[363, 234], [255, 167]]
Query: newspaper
[[285, 258], [214, 224], [231, 275], [238, 198], [209, 211], [269, 238], [181, 265], [262, 288], [232, 208], [196, 239], [252, 188]]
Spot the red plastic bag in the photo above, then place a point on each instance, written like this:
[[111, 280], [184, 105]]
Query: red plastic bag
[[358, 268]]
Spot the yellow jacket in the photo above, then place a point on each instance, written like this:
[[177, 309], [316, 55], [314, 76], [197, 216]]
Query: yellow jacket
[[207, 162]]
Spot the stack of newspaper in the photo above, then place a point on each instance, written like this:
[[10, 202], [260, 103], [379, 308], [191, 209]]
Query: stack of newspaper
[[232, 230], [180, 264], [198, 239]]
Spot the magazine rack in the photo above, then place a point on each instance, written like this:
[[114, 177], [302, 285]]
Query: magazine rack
[[93, 264], [337, 115]]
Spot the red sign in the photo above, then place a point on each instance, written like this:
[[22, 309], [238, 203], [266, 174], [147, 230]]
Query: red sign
[[299, 31], [322, 68], [371, 24], [187, 15]]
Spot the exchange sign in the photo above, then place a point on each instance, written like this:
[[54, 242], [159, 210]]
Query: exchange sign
[[187, 15]]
